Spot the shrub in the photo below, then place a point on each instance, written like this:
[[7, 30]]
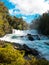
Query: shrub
[[9, 55]]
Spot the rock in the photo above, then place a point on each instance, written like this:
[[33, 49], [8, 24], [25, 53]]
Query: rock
[[26, 49], [30, 51], [47, 43], [14, 37], [18, 46], [21, 36], [27, 57], [30, 37], [36, 37]]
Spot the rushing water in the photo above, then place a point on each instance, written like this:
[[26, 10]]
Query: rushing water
[[20, 37]]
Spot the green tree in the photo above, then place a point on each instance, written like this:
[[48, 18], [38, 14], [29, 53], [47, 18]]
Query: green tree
[[44, 24], [4, 25]]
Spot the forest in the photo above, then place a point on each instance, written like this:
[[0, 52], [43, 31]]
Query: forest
[[10, 22]]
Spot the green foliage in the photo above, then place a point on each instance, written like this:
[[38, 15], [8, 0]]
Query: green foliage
[[17, 23], [35, 61], [4, 25], [11, 56], [8, 22], [44, 24], [3, 9]]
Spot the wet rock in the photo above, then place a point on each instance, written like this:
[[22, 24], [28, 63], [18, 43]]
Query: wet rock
[[21, 36], [30, 51], [18, 46], [36, 37], [46, 43], [14, 37], [30, 37], [26, 49]]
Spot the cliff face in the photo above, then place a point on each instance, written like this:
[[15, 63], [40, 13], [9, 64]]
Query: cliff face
[[4, 25]]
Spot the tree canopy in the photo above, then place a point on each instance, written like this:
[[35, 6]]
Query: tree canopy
[[41, 24], [10, 22], [44, 24]]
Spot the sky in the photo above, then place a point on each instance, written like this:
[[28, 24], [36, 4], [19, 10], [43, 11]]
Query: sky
[[27, 9]]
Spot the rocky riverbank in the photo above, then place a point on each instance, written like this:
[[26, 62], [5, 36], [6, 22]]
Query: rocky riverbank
[[28, 51], [24, 39]]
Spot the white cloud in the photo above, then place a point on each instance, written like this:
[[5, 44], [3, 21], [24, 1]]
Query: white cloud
[[12, 12], [29, 7]]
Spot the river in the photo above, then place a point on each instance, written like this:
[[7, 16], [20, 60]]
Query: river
[[20, 37]]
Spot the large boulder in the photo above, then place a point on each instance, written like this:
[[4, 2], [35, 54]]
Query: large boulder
[[30, 51], [26, 49], [30, 37]]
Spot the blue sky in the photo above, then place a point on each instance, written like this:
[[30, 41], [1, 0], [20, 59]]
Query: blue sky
[[27, 9]]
